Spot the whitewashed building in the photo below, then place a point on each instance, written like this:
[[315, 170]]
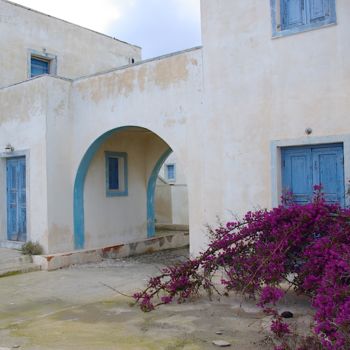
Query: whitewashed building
[[263, 106]]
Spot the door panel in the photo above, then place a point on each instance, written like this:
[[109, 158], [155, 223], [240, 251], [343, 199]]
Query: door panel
[[296, 174], [16, 199], [328, 171]]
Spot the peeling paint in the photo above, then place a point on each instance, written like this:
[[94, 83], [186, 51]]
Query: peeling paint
[[171, 71]]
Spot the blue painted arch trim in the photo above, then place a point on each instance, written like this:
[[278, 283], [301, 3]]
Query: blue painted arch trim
[[151, 188], [79, 183]]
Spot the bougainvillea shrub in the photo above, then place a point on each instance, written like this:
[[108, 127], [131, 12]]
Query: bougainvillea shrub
[[306, 246]]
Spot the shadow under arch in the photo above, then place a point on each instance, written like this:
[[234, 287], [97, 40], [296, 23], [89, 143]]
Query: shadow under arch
[[79, 184]]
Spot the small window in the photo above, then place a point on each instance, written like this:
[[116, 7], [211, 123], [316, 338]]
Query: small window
[[40, 63], [116, 174], [39, 66], [170, 172], [295, 16]]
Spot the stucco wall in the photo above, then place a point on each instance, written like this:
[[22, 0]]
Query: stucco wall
[[219, 108], [259, 89], [162, 95], [79, 51], [179, 197], [172, 195], [59, 136], [23, 125], [163, 203]]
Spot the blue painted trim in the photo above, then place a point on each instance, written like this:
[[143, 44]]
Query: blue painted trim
[[124, 166], [151, 187], [79, 183], [276, 27]]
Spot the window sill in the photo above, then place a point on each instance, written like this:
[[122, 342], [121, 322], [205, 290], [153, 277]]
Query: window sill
[[302, 29], [117, 193]]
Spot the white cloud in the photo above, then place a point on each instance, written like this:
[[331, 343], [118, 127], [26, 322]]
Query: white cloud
[[94, 15], [189, 9]]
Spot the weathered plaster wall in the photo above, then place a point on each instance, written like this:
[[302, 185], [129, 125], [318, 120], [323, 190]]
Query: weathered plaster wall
[[163, 96], [179, 198], [79, 51], [180, 176], [116, 220], [218, 108], [23, 125], [172, 196], [59, 136], [163, 203], [259, 89]]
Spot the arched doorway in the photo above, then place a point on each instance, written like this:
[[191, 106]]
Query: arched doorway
[[114, 188]]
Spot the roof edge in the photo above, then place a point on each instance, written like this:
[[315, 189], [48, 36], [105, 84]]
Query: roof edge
[[138, 63], [71, 23]]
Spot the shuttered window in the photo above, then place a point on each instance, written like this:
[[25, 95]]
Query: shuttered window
[[39, 67], [305, 167], [170, 172], [116, 174], [293, 16]]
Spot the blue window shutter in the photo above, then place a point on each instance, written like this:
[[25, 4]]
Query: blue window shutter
[[328, 171], [297, 174], [305, 167], [39, 67], [170, 171], [320, 10], [113, 173], [292, 13], [116, 174]]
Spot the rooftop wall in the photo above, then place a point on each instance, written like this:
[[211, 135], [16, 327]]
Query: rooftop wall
[[79, 51]]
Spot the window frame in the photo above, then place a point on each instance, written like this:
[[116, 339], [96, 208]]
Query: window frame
[[276, 161], [277, 30], [122, 174], [173, 179], [42, 56]]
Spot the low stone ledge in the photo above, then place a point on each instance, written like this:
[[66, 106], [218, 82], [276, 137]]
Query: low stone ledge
[[56, 261]]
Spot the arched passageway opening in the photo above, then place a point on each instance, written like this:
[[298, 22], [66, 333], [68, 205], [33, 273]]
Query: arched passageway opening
[[114, 188]]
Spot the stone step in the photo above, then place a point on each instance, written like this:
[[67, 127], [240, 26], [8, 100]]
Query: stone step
[[16, 260], [15, 269], [12, 262]]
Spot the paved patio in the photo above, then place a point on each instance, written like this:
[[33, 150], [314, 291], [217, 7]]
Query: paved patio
[[73, 309]]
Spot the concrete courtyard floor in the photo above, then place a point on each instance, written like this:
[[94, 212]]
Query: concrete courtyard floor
[[73, 309]]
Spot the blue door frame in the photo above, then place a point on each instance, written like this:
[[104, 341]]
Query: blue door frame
[[16, 199], [307, 166]]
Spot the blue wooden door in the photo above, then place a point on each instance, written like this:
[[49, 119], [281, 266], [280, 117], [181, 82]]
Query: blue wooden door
[[16, 199], [305, 167]]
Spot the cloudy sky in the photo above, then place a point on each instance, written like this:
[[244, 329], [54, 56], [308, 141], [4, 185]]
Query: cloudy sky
[[158, 26]]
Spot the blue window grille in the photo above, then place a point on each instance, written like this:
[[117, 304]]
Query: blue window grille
[[116, 174], [39, 66]]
